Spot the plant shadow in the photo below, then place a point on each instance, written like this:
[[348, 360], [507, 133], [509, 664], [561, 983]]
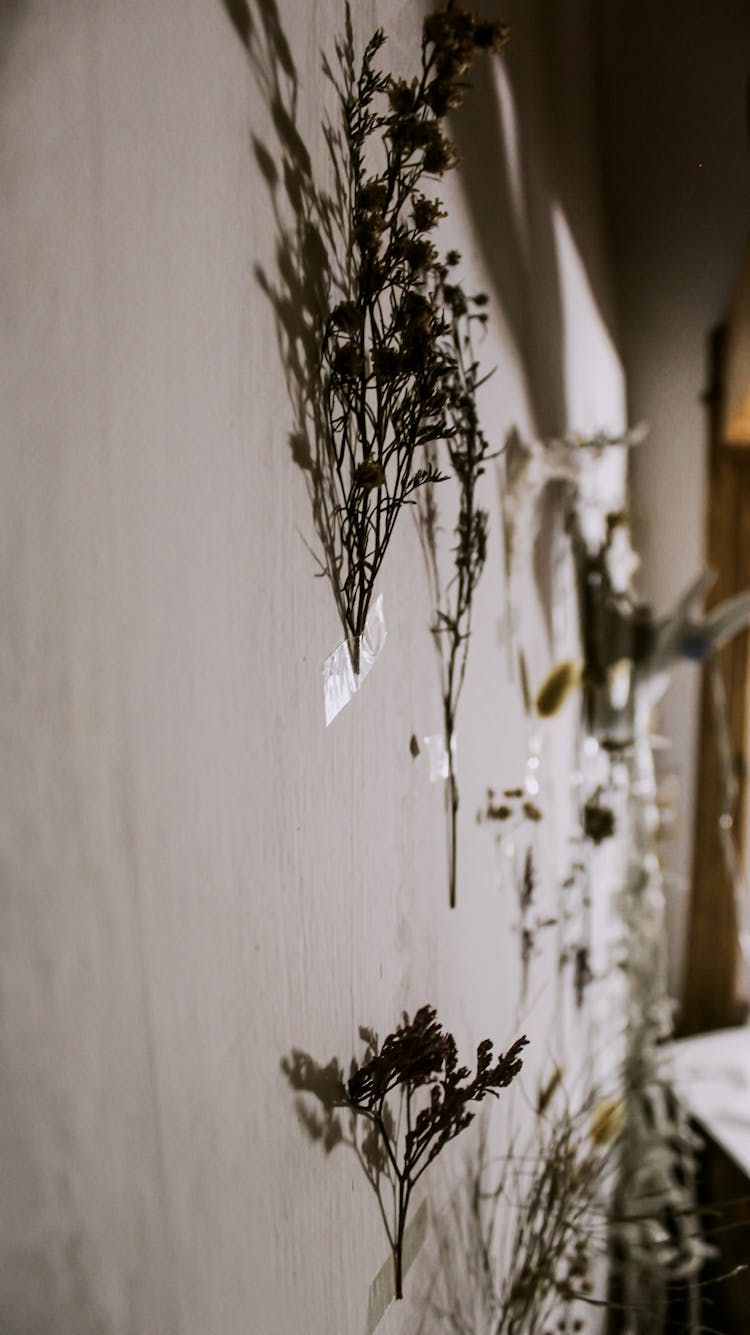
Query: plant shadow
[[333, 1121], [311, 256]]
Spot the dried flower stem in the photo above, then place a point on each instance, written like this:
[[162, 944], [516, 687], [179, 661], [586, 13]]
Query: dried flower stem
[[468, 451], [419, 1057]]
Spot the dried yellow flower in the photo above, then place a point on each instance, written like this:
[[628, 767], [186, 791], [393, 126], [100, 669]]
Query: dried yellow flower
[[607, 1121], [555, 690]]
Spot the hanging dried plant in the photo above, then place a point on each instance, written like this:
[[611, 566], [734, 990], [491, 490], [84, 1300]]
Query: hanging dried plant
[[468, 451], [389, 369], [518, 1250], [421, 1057], [408, 1098]]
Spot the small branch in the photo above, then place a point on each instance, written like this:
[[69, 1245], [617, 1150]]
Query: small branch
[[387, 367]]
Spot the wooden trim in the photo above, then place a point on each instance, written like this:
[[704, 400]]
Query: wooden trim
[[710, 984]]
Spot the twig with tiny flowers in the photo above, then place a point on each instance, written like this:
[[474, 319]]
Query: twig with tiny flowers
[[386, 362], [420, 1057], [468, 451]]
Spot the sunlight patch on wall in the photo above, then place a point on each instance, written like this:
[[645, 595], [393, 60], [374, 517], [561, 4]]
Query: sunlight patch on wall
[[594, 378], [511, 141]]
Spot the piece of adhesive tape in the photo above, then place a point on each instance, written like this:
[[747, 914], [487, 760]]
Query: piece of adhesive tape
[[340, 683]]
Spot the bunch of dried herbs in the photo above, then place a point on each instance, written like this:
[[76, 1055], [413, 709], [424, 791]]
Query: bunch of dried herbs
[[408, 1098], [388, 365]]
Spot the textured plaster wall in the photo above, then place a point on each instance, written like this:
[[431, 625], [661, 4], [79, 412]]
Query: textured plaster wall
[[195, 875], [673, 90]]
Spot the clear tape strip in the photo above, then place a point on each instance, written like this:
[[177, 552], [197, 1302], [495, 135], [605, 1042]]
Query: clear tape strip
[[437, 757], [340, 683], [382, 1290]]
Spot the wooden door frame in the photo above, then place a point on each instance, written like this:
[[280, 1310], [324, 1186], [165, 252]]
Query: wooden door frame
[[709, 997]]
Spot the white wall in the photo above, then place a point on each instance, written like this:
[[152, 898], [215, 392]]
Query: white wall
[[196, 875], [673, 89]]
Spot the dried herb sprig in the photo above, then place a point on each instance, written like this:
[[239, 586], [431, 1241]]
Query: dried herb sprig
[[468, 451], [417, 1098], [386, 362], [406, 1099]]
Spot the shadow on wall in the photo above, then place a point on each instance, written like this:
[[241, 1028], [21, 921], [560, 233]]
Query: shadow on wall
[[336, 1123], [527, 151], [327, 1125], [310, 257], [12, 12]]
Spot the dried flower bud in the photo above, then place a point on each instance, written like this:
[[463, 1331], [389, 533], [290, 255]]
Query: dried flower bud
[[555, 690], [415, 349], [347, 360], [491, 36], [373, 195], [451, 32], [456, 299], [408, 133], [415, 251], [347, 317], [368, 228], [415, 310], [369, 474], [423, 133], [436, 28], [443, 96], [386, 363], [426, 213], [401, 96], [453, 258], [439, 157]]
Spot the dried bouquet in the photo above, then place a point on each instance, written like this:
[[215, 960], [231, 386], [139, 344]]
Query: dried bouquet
[[389, 363], [407, 1098]]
